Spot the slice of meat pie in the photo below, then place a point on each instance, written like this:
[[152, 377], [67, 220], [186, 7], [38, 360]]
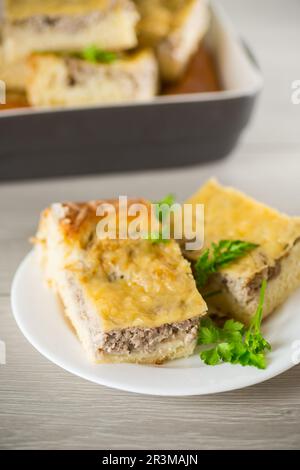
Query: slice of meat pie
[[174, 28], [129, 300], [68, 80], [54, 25], [231, 215]]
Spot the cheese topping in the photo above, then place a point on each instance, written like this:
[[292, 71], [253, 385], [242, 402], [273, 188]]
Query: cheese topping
[[160, 17], [134, 283], [229, 214]]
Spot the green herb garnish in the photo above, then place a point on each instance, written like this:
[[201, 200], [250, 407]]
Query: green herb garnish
[[221, 254], [163, 206], [157, 237], [162, 209], [234, 343], [94, 54]]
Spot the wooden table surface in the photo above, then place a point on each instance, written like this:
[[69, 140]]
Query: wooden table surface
[[42, 406]]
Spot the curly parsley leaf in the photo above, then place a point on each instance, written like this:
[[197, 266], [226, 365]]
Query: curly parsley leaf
[[157, 237], [94, 54], [162, 209], [234, 343], [163, 206], [219, 255], [211, 356], [209, 333]]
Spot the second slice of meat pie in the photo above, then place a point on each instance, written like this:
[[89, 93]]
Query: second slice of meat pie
[[68, 80], [129, 300], [54, 25], [231, 215]]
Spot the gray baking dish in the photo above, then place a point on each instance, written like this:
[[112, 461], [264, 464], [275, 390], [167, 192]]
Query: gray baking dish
[[168, 131]]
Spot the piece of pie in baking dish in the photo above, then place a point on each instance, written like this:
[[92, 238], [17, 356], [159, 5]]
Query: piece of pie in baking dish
[[129, 300], [174, 28], [231, 215], [68, 80], [55, 25]]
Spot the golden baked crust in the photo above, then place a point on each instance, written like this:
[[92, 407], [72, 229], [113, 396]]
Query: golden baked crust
[[159, 18], [78, 218], [174, 28], [22, 9]]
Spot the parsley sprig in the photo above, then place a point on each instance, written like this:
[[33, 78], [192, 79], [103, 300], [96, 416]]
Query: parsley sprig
[[162, 209], [220, 254], [157, 237], [94, 54], [163, 206], [234, 343]]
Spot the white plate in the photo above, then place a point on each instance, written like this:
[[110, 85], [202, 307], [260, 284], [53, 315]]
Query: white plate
[[41, 320]]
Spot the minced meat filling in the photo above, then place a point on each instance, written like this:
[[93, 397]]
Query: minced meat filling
[[66, 24], [79, 70], [147, 339]]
